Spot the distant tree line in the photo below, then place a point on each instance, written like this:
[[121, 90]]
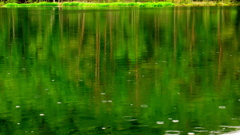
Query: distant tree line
[[104, 1]]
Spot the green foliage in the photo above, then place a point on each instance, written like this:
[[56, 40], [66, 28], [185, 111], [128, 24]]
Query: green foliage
[[50, 4], [11, 5], [65, 3], [158, 4], [42, 4], [70, 4], [1, 3], [11, 1]]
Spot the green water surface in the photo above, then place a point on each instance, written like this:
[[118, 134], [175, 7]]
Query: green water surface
[[127, 71]]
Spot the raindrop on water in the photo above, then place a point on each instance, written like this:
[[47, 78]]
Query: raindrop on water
[[104, 101], [175, 121], [102, 93], [144, 106], [172, 132], [59, 102], [222, 107], [160, 122]]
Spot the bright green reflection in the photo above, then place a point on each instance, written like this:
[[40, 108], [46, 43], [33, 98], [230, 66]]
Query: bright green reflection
[[120, 71]]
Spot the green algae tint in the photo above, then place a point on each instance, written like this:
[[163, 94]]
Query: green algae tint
[[119, 71]]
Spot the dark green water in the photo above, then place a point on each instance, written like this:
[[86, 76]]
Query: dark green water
[[120, 71]]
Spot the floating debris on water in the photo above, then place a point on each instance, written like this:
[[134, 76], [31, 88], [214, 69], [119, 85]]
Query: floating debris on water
[[18, 123], [41, 114], [191, 133], [110, 101], [103, 128], [160, 122], [17, 106]]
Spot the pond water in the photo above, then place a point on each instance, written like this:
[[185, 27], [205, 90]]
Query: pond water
[[121, 71]]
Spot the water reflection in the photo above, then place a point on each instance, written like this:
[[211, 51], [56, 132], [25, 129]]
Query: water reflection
[[127, 71]]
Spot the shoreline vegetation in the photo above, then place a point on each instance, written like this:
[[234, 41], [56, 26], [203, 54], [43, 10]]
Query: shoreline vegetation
[[117, 4]]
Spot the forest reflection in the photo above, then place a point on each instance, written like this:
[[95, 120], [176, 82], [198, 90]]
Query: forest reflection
[[122, 71]]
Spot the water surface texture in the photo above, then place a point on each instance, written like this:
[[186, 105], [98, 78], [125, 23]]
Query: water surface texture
[[127, 71]]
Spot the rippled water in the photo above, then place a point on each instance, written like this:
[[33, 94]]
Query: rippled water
[[120, 71]]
